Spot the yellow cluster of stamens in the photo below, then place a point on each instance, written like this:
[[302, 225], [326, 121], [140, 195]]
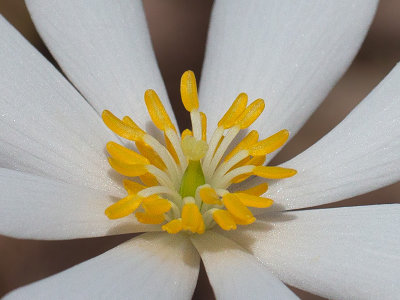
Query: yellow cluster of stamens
[[186, 183]]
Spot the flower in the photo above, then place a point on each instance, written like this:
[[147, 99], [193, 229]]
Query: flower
[[56, 180]]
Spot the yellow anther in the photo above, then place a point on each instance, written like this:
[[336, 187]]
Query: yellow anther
[[203, 126], [194, 149], [257, 190], [186, 132], [224, 219], [125, 155], [151, 155], [208, 195], [127, 170], [173, 226], [257, 160], [128, 121], [145, 218], [219, 143], [243, 222], [254, 201], [123, 207], [120, 128], [237, 108], [189, 91], [157, 111], [251, 113], [273, 172], [132, 187], [269, 144], [240, 178], [171, 149], [237, 208], [250, 139], [148, 179], [192, 219], [155, 205], [241, 163]]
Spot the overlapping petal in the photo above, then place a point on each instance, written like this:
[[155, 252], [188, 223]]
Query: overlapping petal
[[150, 266], [348, 252], [47, 128], [105, 50], [290, 53], [236, 274], [34, 207], [359, 155]]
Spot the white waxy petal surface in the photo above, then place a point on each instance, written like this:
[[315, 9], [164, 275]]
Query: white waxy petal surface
[[339, 253], [105, 50], [34, 207], [236, 274], [359, 155], [290, 53], [150, 266], [47, 128]]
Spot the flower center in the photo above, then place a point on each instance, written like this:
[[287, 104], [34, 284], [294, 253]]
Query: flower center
[[187, 185]]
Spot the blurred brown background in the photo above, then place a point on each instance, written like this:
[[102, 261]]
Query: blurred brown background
[[178, 29]]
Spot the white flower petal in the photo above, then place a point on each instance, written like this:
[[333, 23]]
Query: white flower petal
[[105, 50], [150, 266], [339, 253], [290, 53], [234, 273], [359, 155], [34, 207], [47, 128]]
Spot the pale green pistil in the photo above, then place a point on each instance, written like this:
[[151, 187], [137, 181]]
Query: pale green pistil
[[192, 179]]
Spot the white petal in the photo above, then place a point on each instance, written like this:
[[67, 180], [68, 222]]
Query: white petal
[[236, 274], [47, 128], [33, 207], [339, 253], [290, 53], [360, 155], [150, 266], [105, 50]]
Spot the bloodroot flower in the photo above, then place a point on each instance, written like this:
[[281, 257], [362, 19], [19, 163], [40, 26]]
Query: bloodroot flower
[[205, 192]]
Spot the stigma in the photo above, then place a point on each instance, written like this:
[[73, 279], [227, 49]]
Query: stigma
[[188, 182]]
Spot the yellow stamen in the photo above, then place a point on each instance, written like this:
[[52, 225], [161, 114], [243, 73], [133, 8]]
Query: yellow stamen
[[257, 190], [128, 121], [234, 112], [127, 169], [237, 208], [171, 149], [157, 111], [189, 91], [269, 144], [120, 128], [151, 155], [192, 219], [254, 201], [155, 205], [146, 218], [132, 187], [149, 179], [273, 172], [224, 219], [251, 113], [208, 195], [123, 207], [125, 155], [250, 139], [173, 226], [203, 126]]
